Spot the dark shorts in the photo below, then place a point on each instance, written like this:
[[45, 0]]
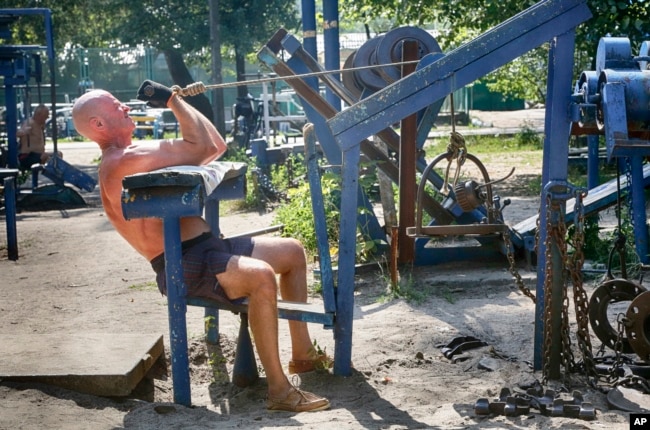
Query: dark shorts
[[26, 160], [204, 257]]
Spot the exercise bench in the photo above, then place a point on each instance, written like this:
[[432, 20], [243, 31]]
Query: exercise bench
[[182, 191]]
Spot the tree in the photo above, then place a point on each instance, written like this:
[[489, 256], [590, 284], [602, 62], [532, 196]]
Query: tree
[[257, 20], [461, 20], [180, 29], [175, 28]]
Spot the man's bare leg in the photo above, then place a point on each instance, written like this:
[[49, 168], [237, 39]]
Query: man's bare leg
[[256, 280], [248, 277], [291, 265]]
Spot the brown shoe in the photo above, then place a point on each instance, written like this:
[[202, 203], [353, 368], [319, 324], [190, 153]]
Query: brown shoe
[[298, 401], [321, 362]]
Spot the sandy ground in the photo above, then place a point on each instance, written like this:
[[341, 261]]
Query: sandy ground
[[75, 274]]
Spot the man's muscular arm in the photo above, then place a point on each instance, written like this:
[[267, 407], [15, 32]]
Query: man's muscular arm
[[196, 130]]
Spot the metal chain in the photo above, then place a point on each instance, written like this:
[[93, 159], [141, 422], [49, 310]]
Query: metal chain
[[548, 272], [557, 232], [634, 381], [456, 150], [560, 234], [628, 177], [618, 348], [580, 300], [513, 268]]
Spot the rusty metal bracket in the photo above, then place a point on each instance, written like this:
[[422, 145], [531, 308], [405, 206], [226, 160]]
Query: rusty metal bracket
[[459, 345]]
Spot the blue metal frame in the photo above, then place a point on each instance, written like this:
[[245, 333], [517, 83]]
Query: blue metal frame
[[547, 20]]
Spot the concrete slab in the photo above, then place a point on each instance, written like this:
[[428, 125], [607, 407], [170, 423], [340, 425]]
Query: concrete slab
[[94, 363]]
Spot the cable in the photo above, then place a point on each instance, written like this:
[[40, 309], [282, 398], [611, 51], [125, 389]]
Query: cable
[[199, 87]]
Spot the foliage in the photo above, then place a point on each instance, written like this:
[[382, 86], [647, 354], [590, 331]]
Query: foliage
[[297, 215]]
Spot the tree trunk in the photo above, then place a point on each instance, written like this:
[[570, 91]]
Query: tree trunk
[[181, 77], [218, 103], [240, 67]]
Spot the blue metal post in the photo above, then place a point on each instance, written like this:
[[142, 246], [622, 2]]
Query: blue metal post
[[557, 129], [318, 209], [332, 46], [10, 209], [11, 121], [176, 292], [347, 247], [638, 209], [309, 27], [212, 314]]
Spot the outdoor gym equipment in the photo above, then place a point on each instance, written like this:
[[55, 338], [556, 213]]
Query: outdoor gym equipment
[[19, 64]]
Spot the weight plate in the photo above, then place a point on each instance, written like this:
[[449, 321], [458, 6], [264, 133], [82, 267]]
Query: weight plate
[[389, 49], [612, 291], [638, 323], [349, 79], [364, 57]]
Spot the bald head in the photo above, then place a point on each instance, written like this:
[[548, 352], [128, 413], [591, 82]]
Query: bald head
[[87, 108], [41, 114]]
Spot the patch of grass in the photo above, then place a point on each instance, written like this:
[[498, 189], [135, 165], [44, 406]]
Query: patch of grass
[[407, 288], [144, 286]]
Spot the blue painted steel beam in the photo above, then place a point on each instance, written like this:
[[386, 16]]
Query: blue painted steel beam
[[9, 181], [554, 170], [332, 46], [176, 308], [320, 220]]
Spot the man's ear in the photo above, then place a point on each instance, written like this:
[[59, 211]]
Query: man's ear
[[96, 123]]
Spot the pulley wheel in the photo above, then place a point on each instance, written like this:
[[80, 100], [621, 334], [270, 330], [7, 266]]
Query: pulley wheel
[[467, 196], [612, 291], [389, 49], [364, 57], [638, 327], [349, 79]]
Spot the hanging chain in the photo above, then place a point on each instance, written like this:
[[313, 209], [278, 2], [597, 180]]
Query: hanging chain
[[560, 234], [513, 268], [580, 300], [628, 177], [548, 275], [456, 151], [618, 349]]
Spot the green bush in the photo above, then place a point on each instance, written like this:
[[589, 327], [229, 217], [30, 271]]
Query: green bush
[[297, 216]]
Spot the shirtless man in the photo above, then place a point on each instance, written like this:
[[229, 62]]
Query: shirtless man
[[222, 269], [31, 149]]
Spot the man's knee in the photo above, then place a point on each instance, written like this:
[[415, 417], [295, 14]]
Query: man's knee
[[265, 284], [294, 249]]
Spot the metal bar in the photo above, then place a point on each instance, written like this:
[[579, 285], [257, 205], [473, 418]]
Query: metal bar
[[638, 209], [320, 220], [10, 215], [555, 169], [347, 246], [176, 307], [407, 165], [211, 315]]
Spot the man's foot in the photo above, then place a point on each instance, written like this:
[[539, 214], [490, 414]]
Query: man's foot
[[298, 401], [320, 362]]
